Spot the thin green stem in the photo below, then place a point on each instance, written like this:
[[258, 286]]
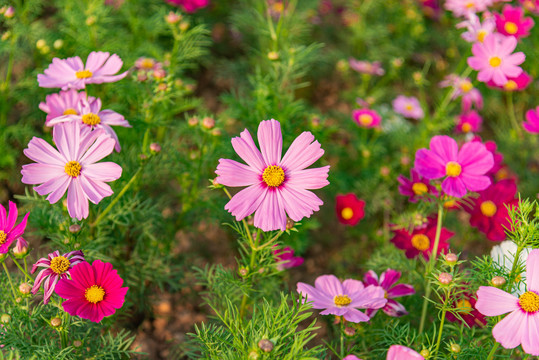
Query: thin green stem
[[493, 351], [342, 337], [243, 305], [512, 116], [10, 282], [20, 267], [440, 331]]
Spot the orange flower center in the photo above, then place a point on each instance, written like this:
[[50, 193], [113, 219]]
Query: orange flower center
[[453, 169], [495, 61], [94, 294], [466, 86], [421, 242], [470, 4], [59, 265], [465, 306], [419, 188], [147, 63], [488, 208], [510, 85], [70, 111], [347, 213], [365, 119], [511, 28], [481, 35], [466, 127], [83, 74], [529, 301], [73, 169], [3, 237], [273, 176], [342, 300], [91, 119], [409, 107], [449, 204]]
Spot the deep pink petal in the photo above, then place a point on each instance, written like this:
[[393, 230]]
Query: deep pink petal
[[445, 147], [389, 277], [429, 165], [475, 159], [400, 290], [454, 186], [371, 278]]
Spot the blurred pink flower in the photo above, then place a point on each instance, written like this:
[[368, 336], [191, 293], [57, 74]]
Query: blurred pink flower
[[190, 6], [71, 73], [285, 258], [461, 86], [532, 123], [517, 83], [399, 352], [408, 107], [89, 114], [520, 326], [387, 281], [366, 118], [494, 59], [477, 31], [469, 122], [73, 168], [366, 67], [497, 156], [147, 64], [462, 169], [275, 186], [464, 7], [511, 22], [9, 232], [342, 299], [63, 103], [472, 98], [531, 5], [416, 187]]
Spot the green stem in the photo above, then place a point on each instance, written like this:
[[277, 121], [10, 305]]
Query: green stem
[[20, 268], [493, 351], [9, 279], [512, 117], [440, 332], [243, 305], [430, 266], [342, 337]]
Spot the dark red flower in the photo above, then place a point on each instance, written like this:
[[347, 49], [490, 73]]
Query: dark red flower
[[472, 317], [349, 209]]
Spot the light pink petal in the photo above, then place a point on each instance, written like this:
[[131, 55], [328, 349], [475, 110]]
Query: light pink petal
[[40, 173], [372, 297], [42, 152], [94, 190], [270, 140], [55, 187], [319, 299], [315, 178], [355, 316], [509, 332], [77, 201], [476, 63], [351, 286], [103, 171], [299, 203], [67, 137], [532, 270], [112, 65], [399, 352], [486, 74], [245, 147], [110, 131], [96, 59], [245, 202], [492, 301], [233, 173], [329, 285], [102, 147], [303, 152], [499, 77], [271, 215], [530, 335], [110, 117]]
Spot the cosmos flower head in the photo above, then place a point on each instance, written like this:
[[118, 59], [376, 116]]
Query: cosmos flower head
[[408, 107], [73, 167], [93, 292], [475, 29], [349, 209], [472, 98], [465, 303], [367, 118], [462, 8], [71, 73], [366, 67], [463, 170], [517, 83], [56, 267], [511, 22], [469, 122], [63, 103], [497, 156], [520, 326], [190, 6], [276, 186], [504, 256], [9, 230], [284, 256], [388, 281], [342, 299], [416, 187], [399, 352], [461, 86], [531, 124]]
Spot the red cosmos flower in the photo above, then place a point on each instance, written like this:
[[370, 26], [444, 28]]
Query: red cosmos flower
[[349, 209], [468, 312], [489, 213], [421, 240]]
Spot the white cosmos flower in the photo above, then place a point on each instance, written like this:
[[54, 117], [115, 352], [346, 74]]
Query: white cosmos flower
[[504, 255]]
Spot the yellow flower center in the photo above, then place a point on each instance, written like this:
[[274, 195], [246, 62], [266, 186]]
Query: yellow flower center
[[470, 4], [510, 85], [465, 306], [147, 63], [342, 300], [409, 107], [511, 28], [453, 169], [365, 119], [273, 176], [449, 204], [73, 169], [419, 188], [59, 265], [94, 294], [495, 61], [488, 208], [421, 242], [466, 86], [3, 237], [466, 127], [481, 35], [347, 213], [529, 301], [83, 74], [91, 119], [70, 111]]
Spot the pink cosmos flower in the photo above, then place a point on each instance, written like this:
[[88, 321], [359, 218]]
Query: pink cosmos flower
[[511, 22], [285, 258], [351, 357], [494, 59], [408, 107], [531, 5], [63, 103], [190, 6], [532, 123], [517, 83], [56, 267], [71, 73], [8, 230], [93, 292], [72, 167], [387, 281], [416, 187], [147, 64], [343, 299], [460, 85], [21, 248], [463, 170], [469, 122], [477, 31], [89, 114], [470, 99], [520, 326], [399, 352], [366, 67], [276, 186], [497, 156], [465, 7], [366, 118], [431, 8]]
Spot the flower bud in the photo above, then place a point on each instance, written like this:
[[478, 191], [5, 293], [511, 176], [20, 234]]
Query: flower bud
[[25, 288], [445, 278], [75, 228], [265, 345], [498, 281], [10, 12], [5, 318], [159, 74], [91, 20], [455, 348], [155, 148], [349, 331], [172, 18], [162, 87], [216, 132], [21, 248], [6, 35], [41, 43], [290, 224], [451, 258], [208, 123], [243, 271], [273, 55], [77, 343], [193, 121], [142, 76], [425, 353], [55, 322], [253, 355], [58, 44], [184, 25]]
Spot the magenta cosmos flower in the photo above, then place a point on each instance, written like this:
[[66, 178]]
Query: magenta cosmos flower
[[408, 107], [511, 22], [399, 352], [531, 124], [190, 6], [387, 281], [521, 326], [366, 118], [276, 186], [494, 59], [56, 267], [472, 98], [416, 187], [463, 169], [343, 299], [71, 73], [93, 292], [285, 259], [89, 114], [73, 167], [9, 232], [469, 122], [517, 83], [63, 103]]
